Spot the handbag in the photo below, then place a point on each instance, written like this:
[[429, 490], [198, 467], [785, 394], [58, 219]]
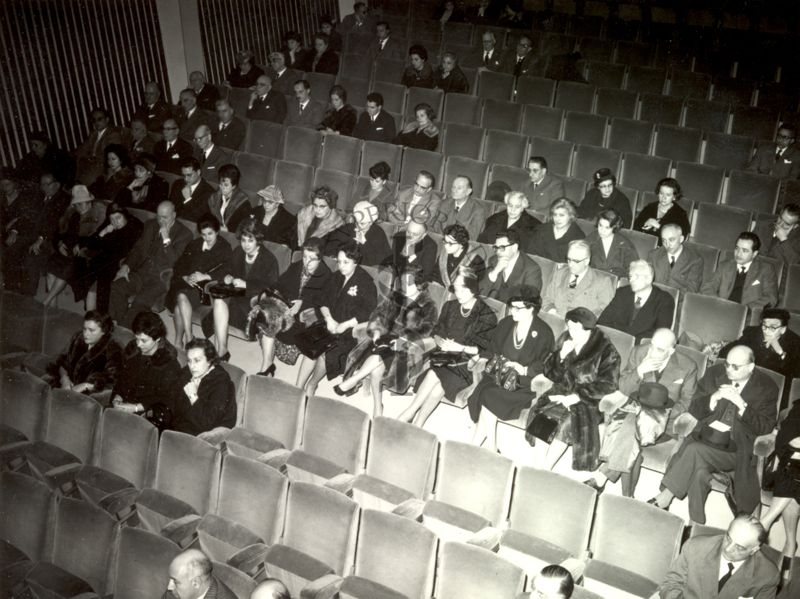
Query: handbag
[[504, 375], [447, 358], [316, 340], [219, 290], [544, 424]]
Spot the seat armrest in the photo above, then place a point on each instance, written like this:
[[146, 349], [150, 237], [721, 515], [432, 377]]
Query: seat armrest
[[250, 559], [360, 331], [487, 537], [63, 477], [182, 531], [764, 444], [684, 424], [122, 504], [215, 436], [410, 508], [275, 458], [324, 587], [343, 483], [612, 402], [575, 567]]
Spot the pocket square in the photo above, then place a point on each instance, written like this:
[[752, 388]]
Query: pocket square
[[378, 128], [678, 382], [210, 168], [756, 282], [175, 156], [787, 161]]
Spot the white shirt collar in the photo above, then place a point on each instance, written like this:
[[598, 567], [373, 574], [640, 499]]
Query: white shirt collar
[[745, 266], [208, 150], [676, 255]]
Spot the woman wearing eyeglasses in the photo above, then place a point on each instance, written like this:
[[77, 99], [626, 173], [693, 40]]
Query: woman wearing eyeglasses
[[552, 239], [456, 254]]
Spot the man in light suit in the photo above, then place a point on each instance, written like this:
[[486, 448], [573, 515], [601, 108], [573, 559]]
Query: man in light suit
[[523, 60], [210, 155], [283, 78], [90, 154], [639, 308], [674, 264], [385, 46], [304, 111], [375, 124], [509, 269], [419, 204], [780, 159], [653, 362], [576, 285], [746, 279], [461, 208], [227, 130], [191, 193], [543, 188], [266, 103], [701, 571], [189, 115]]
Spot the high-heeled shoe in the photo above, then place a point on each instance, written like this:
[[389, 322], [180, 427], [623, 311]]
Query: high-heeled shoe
[[348, 393], [786, 572], [654, 502], [590, 482], [270, 371], [225, 357]]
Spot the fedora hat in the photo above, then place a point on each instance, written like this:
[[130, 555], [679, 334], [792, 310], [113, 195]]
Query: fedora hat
[[652, 395]]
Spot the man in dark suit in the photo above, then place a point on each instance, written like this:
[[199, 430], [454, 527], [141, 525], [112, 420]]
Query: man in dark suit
[[781, 238], [375, 124], [304, 111], [509, 269], [190, 577], [211, 156], [639, 308], [746, 279], [385, 46], [207, 94], [266, 104], [357, 22], [227, 130], [90, 155], [283, 78], [489, 56], [143, 142], [191, 193], [154, 110], [725, 566], [523, 60], [461, 208], [734, 404], [543, 188], [171, 151], [414, 246], [674, 264], [189, 115], [780, 159], [20, 212]]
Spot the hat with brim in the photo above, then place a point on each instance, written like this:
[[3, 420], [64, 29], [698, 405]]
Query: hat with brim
[[271, 193], [715, 438], [653, 395], [582, 316], [80, 194]]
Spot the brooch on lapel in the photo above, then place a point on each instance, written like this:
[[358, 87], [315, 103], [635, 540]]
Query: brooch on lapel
[[353, 291]]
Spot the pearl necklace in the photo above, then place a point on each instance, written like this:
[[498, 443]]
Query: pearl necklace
[[517, 344], [250, 260], [468, 312]]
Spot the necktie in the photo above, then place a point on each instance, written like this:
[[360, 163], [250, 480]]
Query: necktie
[[736, 386], [725, 578], [742, 271], [638, 302], [778, 155], [671, 261], [574, 282], [169, 146], [301, 110], [457, 208], [222, 126], [486, 58]]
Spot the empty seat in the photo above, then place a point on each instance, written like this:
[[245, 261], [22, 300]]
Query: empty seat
[[554, 43], [661, 109], [294, 180], [142, 565], [634, 53], [616, 102], [646, 80], [700, 182], [498, 86], [302, 145], [711, 319], [420, 95], [728, 151], [415, 160], [736, 92], [557, 153], [394, 94], [678, 143], [535, 90], [791, 296], [752, 191], [24, 400], [596, 49], [321, 83], [357, 90], [542, 121], [590, 158], [605, 74], [504, 147], [264, 138], [27, 514], [718, 226], [23, 333], [462, 140], [501, 114], [341, 153], [687, 84], [643, 172], [707, 115], [571, 95], [373, 152], [256, 171], [356, 66], [469, 572], [457, 33], [476, 170], [239, 99], [575, 188], [584, 128], [629, 135], [514, 177], [462, 108], [342, 183], [755, 122]]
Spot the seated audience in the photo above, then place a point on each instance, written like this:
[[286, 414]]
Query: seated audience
[[543, 188], [515, 217], [604, 196], [379, 191], [211, 156], [727, 565], [357, 22], [421, 133], [464, 329], [190, 193], [92, 359], [245, 73], [117, 175], [385, 46], [280, 223], [523, 60], [449, 13], [509, 269], [460, 208], [551, 240], [229, 204], [368, 236], [266, 103], [20, 213], [138, 283], [295, 56], [171, 151], [90, 155], [413, 246], [639, 308], [340, 118], [192, 570], [780, 159], [418, 204], [449, 77], [582, 370], [612, 251], [665, 211], [520, 344], [320, 217], [553, 582], [45, 157], [207, 94], [189, 115], [734, 404], [348, 298], [147, 190], [200, 262], [142, 141], [577, 285], [375, 124], [781, 239], [305, 111], [491, 57], [455, 254], [674, 263], [335, 41], [419, 73], [283, 78], [774, 346], [154, 110], [323, 59], [227, 130], [251, 268], [747, 279], [391, 354], [204, 396], [150, 368]]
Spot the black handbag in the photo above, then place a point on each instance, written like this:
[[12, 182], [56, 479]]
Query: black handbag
[[221, 291], [448, 358], [544, 423], [315, 340]]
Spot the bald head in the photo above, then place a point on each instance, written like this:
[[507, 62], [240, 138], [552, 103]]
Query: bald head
[[151, 92], [189, 574], [739, 363], [202, 137], [271, 588], [664, 338], [744, 538]]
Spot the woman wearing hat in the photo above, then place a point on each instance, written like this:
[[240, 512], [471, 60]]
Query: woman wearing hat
[[520, 343], [147, 190], [583, 369], [280, 223], [369, 237], [78, 224], [611, 250], [320, 217], [604, 196]]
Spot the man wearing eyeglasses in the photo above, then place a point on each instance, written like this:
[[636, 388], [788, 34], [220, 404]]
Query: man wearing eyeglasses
[[522, 60], [509, 269], [283, 78], [418, 204], [189, 115], [210, 156], [266, 103], [774, 346], [577, 285], [733, 405], [779, 159], [171, 151], [781, 238], [154, 110], [90, 154]]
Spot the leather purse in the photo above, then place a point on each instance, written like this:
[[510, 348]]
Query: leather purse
[[448, 358]]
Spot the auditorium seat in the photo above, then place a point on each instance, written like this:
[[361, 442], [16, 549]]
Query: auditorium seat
[[419, 95], [241, 584], [505, 147], [357, 90], [736, 92], [584, 128], [709, 115], [264, 138], [660, 109], [494, 85], [514, 177], [622, 341], [476, 170], [542, 121], [357, 43], [462, 108], [646, 80], [373, 152], [597, 49], [575, 188], [60, 326], [142, 565], [590, 158], [303, 145], [624, 561], [256, 172], [473, 489], [719, 226], [355, 66], [535, 90], [791, 295], [557, 153], [342, 183], [752, 191], [23, 333], [321, 84], [395, 557], [27, 516], [501, 114], [678, 143], [554, 43], [457, 33], [711, 319], [616, 103], [710, 257], [634, 53], [294, 180], [304, 555], [700, 182], [469, 572], [643, 242], [687, 84], [24, 400], [342, 153], [728, 151], [394, 95], [415, 160], [463, 140], [572, 95], [605, 74], [630, 135], [756, 122]]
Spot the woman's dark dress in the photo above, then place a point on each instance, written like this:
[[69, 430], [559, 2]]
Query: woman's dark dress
[[786, 484], [674, 216], [215, 405], [545, 244], [148, 380], [311, 294], [343, 121], [194, 259]]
